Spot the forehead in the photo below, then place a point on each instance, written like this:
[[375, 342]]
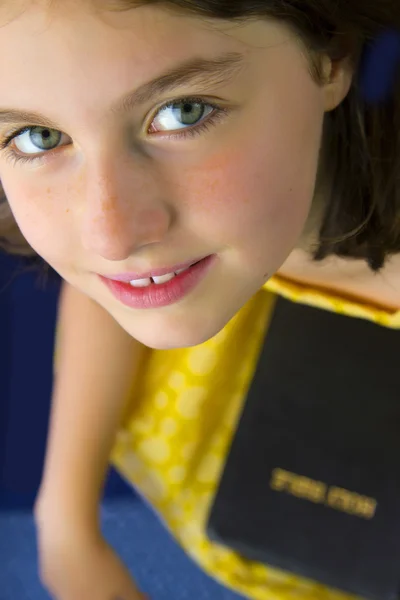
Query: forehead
[[12, 8], [42, 30], [39, 16], [40, 51], [56, 61]]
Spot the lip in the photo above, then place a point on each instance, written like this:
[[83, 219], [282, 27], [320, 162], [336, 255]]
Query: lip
[[159, 295], [127, 277]]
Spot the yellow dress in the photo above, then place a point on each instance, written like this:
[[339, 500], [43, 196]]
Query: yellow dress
[[173, 445]]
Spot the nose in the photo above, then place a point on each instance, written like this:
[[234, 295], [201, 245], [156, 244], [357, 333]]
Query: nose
[[123, 210]]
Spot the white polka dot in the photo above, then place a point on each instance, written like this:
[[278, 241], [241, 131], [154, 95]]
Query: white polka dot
[[131, 463], [177, 474], [168, 427], [209, 469], [176, 380], [161, 400], [176, 511], [155, 449], [202, 360], [144, 425], [153, 487], [189, 401], [190, 533]]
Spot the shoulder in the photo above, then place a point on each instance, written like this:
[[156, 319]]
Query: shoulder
[[347, 277]]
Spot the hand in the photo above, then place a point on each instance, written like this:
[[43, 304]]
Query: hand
[[84, 567]]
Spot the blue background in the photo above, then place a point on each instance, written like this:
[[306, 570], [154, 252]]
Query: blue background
[[27, 321]]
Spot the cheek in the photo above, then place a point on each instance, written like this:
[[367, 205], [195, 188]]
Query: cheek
[[257, 188], [43, 218]]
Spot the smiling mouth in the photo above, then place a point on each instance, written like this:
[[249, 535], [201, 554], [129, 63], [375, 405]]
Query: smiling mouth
[[160, 279], [155, 275], [157, 291]]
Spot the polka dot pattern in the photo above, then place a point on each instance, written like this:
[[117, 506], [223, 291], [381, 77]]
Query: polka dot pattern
[[174, 445]]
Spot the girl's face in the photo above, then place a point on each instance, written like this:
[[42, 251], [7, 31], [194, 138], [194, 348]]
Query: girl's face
[[158, 140]]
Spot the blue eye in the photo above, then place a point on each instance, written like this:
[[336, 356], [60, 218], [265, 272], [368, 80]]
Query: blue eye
[[36, 140], [181, 115], [184, 118]]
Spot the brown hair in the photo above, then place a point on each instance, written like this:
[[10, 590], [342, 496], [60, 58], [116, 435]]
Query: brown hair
[[11, 239], [362, 215]]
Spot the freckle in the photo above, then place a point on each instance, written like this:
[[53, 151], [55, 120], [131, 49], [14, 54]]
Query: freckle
[[107, 205], [67, 211]]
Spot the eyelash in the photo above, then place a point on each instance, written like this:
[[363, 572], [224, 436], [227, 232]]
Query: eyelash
[[212, 119]]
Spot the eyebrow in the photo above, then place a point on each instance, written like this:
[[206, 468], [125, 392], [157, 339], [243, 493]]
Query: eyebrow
[[199, 72]]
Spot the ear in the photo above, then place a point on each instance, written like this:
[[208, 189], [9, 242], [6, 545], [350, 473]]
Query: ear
[[338, 77]]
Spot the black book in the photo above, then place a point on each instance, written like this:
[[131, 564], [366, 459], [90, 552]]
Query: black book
[[312, 481]]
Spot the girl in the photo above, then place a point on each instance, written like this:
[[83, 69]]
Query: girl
[[179, 164]]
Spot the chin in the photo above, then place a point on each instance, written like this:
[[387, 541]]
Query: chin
[[171, 336]]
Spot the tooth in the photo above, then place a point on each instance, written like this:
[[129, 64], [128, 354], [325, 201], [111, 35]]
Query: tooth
[[163, 278], [179, 271], [140, 282]]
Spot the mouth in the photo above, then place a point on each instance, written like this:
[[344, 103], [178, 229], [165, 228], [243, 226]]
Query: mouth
[[155, 275], [158, 288]]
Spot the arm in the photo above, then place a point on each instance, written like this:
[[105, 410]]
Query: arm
[[97, 361]]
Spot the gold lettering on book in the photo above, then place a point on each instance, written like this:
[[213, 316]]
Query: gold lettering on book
[[318, 492]]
